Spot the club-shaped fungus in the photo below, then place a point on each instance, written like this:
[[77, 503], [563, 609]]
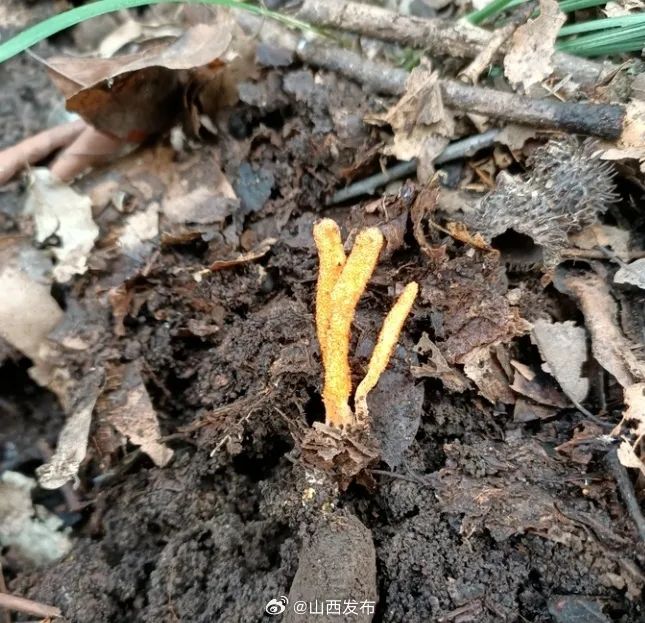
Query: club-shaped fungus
[[341, 282]]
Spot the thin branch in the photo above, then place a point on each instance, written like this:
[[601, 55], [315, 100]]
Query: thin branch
[[459, 149], [627, 491], [603, 120], [438, 36]]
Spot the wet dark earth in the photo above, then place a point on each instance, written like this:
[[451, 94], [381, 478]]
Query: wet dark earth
[[474, 516]]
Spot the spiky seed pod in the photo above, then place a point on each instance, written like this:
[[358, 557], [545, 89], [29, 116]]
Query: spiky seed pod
[[567, 189]]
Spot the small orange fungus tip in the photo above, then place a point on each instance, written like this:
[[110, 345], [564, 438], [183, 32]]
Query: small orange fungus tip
[[385, 345], [341, 283]]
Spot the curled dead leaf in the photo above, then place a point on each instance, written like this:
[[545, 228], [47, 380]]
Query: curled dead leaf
[[126, 405], [102, 90], [529, 59]]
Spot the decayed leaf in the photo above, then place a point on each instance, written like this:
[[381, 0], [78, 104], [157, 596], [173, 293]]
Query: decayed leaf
[[422, 125], [345, 455], [129, 409], [460, 232], [631, 144], [508, 488], [563, 347], [200, 194], [581, 446], [632, 428], [72, 441], [576, 609], [536, 385], [482, 367], [528, 411], [437, 367], [601, 235], [514, 136], [632, 274], [102, 90], [529, 59], [28, 312], [63, 220], [140, 229], [610, 347]]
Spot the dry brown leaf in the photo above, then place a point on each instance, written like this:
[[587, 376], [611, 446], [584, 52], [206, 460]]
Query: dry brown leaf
[[631, 144], [28, 312], [139, 230], [103, 90], [600, 235], [436, 367], [529, 411], [422, 125], [529, 59], [129, 409], [62, 214], [514, 136], [460, 232], [563, 347], [632, 428], [72, 441], [537, 386], [204, 205], [611, 349], [482, 367]]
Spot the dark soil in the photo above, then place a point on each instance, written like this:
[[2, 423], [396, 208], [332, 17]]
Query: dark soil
[[232, 366]]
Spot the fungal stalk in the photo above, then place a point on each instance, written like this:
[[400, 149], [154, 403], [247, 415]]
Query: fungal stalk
[[341, 282]]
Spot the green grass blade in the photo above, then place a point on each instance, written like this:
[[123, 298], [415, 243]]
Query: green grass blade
[[492, 8], [602, 24], [613, 41], [60, 22]]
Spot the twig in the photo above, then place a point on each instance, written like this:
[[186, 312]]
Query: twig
[[459, 149], [598, 254], [603, 120], [438, 36], [37, 148], [626, 490], [499, 36], [485, 57], [28, 606], [369, 185]]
